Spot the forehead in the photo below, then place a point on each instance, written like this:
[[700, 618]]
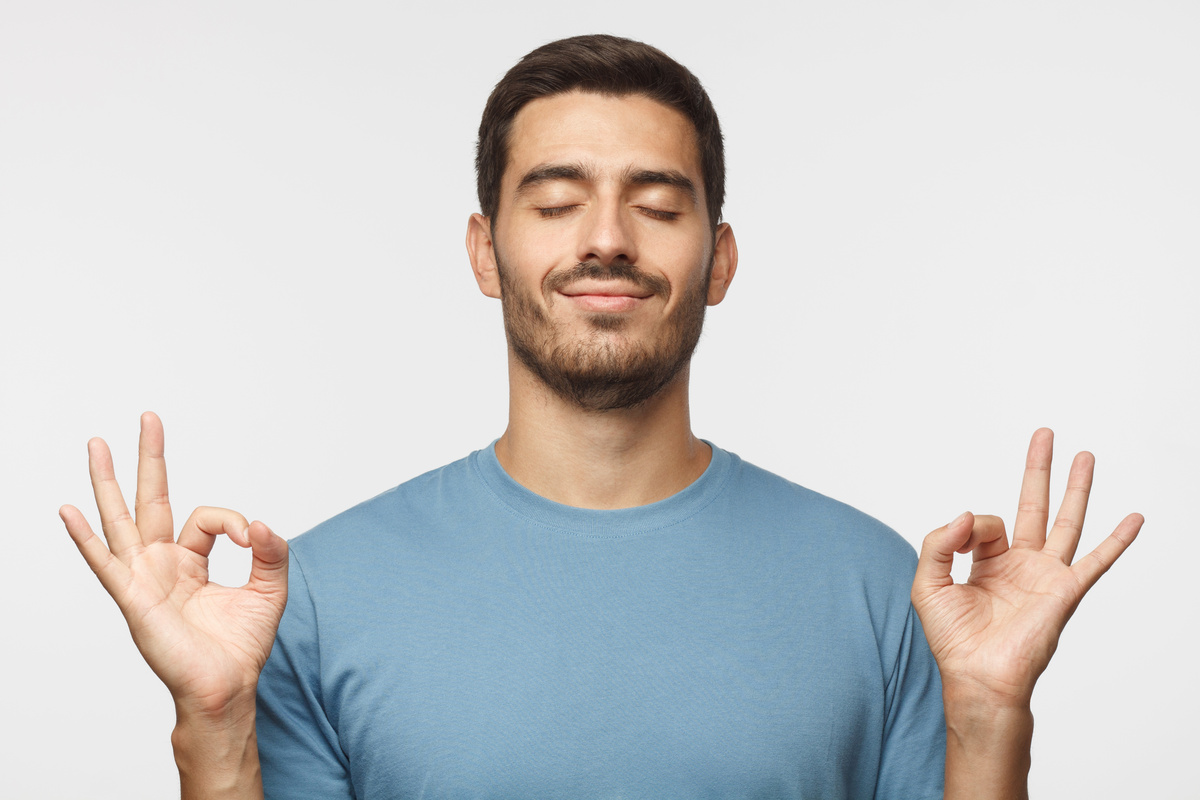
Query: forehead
[[613, 133]]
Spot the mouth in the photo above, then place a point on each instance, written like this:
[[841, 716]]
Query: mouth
[[605, 289], [605, 303], [605, 296]]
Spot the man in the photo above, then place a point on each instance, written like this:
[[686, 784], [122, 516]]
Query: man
[[600, 604]]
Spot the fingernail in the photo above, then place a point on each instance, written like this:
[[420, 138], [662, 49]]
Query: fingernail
[[959, 519]]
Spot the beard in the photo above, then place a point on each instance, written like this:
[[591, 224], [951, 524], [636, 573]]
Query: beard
[[600, 370]]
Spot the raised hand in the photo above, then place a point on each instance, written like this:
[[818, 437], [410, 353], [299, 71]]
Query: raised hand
[[994, 635], [205, 641]]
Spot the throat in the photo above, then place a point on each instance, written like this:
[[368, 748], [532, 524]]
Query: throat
[[600, 460]]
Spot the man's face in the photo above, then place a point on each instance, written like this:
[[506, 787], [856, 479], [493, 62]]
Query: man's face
[[603, 246]]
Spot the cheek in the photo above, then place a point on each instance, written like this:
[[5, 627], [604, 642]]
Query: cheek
[[526, 260], [691, 271], [532, 258]]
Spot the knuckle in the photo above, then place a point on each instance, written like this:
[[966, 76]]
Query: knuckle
[[156, 499], [1100, 561], [211, 518], [206, 512]]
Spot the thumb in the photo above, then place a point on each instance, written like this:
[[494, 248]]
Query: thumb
[[269, 566], [937, 556]]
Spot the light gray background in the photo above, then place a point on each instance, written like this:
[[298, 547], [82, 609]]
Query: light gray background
[[958, 222]]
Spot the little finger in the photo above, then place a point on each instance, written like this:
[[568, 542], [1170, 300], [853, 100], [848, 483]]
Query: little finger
[[113, 574], [1096, 563]]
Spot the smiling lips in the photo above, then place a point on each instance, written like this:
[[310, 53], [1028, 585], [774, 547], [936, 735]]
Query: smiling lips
[[605, 296]]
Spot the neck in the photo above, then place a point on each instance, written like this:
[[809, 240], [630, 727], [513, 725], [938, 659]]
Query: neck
[[599, 459]]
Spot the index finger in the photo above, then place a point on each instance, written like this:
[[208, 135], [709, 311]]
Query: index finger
[[152, 506], [1033, 508]]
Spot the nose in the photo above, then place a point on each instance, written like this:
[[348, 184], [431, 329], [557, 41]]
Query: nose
[[607, 235]]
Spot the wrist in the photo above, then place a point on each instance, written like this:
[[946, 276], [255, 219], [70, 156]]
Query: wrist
[[975, 711], [971, 694], [216, 751], [989, 726], [988, 740], [215, 707]]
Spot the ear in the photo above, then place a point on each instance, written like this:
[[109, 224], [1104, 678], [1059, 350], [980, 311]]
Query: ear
[[482, 253], [725, 258]]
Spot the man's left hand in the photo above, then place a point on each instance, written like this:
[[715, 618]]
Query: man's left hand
[[994, 635]]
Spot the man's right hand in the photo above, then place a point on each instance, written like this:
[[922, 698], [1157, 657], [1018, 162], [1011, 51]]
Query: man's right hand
[[205, 641]]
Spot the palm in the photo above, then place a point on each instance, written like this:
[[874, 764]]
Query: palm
[[205, 641], [999, 630], [214, 634], [1004, 622]]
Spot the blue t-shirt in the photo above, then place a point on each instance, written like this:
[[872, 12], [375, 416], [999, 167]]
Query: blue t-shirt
[[461, 637]]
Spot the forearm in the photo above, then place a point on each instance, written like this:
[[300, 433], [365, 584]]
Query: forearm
[[987, 748], [217, 755]]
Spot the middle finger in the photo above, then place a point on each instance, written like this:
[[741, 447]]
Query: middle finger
[[1033, 509], [152, 504]]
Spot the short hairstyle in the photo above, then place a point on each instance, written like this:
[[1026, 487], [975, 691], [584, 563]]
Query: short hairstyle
[[607, 65]]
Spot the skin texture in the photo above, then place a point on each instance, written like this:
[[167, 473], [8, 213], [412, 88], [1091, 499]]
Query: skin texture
[[604, 259]]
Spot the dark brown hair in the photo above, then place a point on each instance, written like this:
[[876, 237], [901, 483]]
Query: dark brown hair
[[605, 65]]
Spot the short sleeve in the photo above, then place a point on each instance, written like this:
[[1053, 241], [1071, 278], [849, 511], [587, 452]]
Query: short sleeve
[[913, 761], [298, 748]]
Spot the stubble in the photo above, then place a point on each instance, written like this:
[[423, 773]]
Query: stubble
[[601, 370]]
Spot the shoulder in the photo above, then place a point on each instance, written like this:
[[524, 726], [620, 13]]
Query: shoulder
[[834, 527], [852, 571], [434, 495]]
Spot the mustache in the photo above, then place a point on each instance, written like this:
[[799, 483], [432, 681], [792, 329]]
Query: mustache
[[616, 271]]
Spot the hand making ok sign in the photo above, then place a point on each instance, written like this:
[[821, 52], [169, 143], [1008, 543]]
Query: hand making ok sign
[[995, 634], [205, 641]]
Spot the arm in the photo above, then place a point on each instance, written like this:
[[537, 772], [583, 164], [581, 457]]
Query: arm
[[205, 641], [994, 635]]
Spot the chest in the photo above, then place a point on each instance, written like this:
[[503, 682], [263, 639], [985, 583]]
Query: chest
[[725, 690]]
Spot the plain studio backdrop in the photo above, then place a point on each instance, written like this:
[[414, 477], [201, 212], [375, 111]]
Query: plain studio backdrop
[[958, 222]]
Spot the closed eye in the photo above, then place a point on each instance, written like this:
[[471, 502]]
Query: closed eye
[[655, 213], [556, 211]]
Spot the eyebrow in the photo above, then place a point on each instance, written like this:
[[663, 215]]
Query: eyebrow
[[545, 173], [670, 177]]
